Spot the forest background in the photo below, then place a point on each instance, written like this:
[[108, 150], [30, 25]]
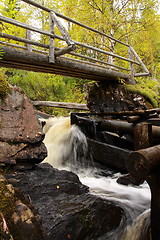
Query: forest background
[[136, 22]]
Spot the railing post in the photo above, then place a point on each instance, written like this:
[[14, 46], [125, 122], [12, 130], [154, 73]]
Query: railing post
[[131, 81], [51, 45], [146, 72], [28, 36], [111, 46]]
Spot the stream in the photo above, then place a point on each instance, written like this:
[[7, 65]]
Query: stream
[[67, 149]]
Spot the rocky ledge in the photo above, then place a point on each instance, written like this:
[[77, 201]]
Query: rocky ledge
[[65, 206], [20, 133]]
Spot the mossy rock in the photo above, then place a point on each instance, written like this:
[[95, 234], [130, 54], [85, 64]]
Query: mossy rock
[[4, 86], [7, 207], [17, 212], [149, 94]]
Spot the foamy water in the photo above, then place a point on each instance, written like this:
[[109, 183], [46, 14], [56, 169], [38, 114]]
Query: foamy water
[[107, 187], [67, 149]]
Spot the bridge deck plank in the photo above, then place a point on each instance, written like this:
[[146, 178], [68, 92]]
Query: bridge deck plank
[[20, 59]]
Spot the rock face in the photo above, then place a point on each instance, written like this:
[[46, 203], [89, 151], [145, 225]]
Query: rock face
[[102, 97], [18, 217], [20, 133], [65, 206]]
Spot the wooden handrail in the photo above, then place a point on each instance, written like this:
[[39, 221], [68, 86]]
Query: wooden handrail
[[54, 53]]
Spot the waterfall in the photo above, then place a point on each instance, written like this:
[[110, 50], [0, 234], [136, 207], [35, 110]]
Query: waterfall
[[66, 144], [67, 149]]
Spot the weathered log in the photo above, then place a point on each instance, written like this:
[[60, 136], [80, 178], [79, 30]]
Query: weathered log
[[154, 183], [154, 121], [65, 50], [39, 62], [42, 114], [103, 125], [108, 154], [28, 36], [61, 28], [135, 113], [140, 61], [91, 130], [142, 135], [124, 127], [19, 39], [143, 162], [119, 127], [133, 119], [51, 44], [116, 126], [78, 106]]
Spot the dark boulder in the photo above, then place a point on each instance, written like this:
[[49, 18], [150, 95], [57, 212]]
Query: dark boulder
[[67, 209]]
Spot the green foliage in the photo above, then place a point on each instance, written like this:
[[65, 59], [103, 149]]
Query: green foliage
[[48, 87], [147, 88], [4, 85], [135, 22]]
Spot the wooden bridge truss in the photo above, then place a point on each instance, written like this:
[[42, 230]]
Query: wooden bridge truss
[[30, 55]]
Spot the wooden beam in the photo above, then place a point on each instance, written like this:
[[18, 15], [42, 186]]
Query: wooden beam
[[144, 161], [154, 121], [97, 60], [142, 113], [51, 45], [28, 36], [142, 135], [61, 29], [65, 50], [19, 39], [154, 182], [77, 106], [14, 57], [116, 126], [139, 60], [108, 154]]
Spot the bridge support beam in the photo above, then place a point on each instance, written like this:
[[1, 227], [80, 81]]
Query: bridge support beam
[[14, 58]]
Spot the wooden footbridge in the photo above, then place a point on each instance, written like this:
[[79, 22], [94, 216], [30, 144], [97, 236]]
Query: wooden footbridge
[[63, 55]]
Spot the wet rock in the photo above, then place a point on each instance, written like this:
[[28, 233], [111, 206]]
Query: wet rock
[[67, 209], [18, 219], [20, 133], [127, 179]]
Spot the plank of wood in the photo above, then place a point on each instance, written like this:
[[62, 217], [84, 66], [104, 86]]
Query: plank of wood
[[108, 154], [19, 59], [61, 105], [144, 161], [154, 121]]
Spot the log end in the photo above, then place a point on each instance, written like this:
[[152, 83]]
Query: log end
[[136, 165]]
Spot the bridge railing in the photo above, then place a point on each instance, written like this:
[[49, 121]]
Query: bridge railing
[[93, 55]]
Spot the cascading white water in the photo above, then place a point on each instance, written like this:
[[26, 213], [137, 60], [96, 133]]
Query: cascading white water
[[67, 149]]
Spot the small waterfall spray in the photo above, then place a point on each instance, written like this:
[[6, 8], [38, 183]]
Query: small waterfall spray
[[66, 144], [67, 149]]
